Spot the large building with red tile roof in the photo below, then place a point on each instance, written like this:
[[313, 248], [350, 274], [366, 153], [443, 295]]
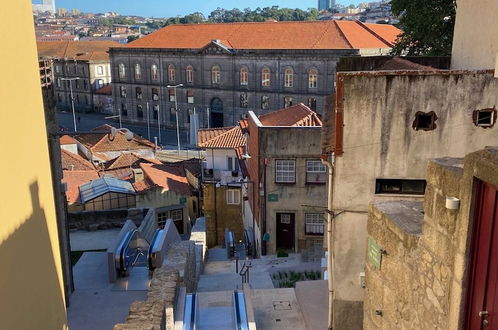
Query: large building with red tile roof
[[88, 61], [228, 69]]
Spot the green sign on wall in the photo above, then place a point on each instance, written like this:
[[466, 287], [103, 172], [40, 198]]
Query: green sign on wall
[[272, 198], [374, 254], [183, 200]]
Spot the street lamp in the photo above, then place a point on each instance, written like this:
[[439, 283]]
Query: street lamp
[[176, 110], [72, 98], [115, 116]]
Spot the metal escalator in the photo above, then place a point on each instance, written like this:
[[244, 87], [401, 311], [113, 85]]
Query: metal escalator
[[131, 252], [199, 314]]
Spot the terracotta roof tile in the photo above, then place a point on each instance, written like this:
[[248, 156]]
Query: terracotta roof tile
[[207, 134], [269, 35], [169, 177], [226, 138], [79, 50], [120, 173], [397, 63], [72, 161], [296, 115], [143, 185], [129, 160], [73, 180], [100, 142], [106, 90], [66, 139]]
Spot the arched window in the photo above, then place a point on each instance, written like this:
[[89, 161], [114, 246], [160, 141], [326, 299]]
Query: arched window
[[313, 78], [288, 77], [171, 72], [122, 71], [244, 76], [138, 71], [153, 72], [265, 77], [215, 75], [190, 74]]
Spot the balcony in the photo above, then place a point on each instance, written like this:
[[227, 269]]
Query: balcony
[[221, 176]]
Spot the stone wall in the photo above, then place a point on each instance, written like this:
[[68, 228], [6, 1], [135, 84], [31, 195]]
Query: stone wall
[[421, 282], [181, 267], [95, 220]]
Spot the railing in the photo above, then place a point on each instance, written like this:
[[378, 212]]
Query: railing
[[239, 306], [189, 316], [244, 272], [229, 243]]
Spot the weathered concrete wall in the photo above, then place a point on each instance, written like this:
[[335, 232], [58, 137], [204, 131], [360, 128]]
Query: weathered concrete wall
[[220, 215], [95, 220], [475, 45], [198, 236], [298, 198], [421, 283], [379, 142]]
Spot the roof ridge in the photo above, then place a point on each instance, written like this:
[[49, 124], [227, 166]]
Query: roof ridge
[[343, 34], [222, 134], [77, 158], [374, 33], [245, 23], [324, 31]]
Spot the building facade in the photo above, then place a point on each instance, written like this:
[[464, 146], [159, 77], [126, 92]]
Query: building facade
[[80, 68], [326, 4], [288, 179], [263, 67]]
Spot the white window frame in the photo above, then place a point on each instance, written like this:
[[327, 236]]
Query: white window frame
[[190, 74], [171, 73], [122, 70], [285, 171], [314, 224], [216, 74], [313, 78], [138, 71], [266, 77], [100, 70], [233, 196], [289, 77], [315, 167], [154, 73], [244, 76]]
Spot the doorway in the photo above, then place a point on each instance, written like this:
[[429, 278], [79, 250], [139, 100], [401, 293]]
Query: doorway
[[285, 230], [482, 295], [216, 109]]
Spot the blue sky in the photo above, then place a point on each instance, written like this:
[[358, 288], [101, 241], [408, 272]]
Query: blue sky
[[168, 8]]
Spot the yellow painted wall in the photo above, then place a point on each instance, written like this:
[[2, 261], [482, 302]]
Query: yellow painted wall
[[31, 285]]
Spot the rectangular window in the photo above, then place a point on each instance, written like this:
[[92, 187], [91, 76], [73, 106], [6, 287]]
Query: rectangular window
[[312, 103], [177, 215], [316, 172], [285, 171], [313, 224], [138, 93], [155, 113], [155, 94], [140, 112], [124, 110], [229, 163], [233, 196], [288, 101], [100, 70], [172, 96], [244, 102], [265, 102], [122, 91], [172, 115], [161, 219], [400, 186], [85, 86], [190, 96]]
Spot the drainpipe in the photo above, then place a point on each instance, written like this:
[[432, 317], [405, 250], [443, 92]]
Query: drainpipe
[[330, 216]]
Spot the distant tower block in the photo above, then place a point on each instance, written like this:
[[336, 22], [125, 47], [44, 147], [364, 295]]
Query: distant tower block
[[44, 6]]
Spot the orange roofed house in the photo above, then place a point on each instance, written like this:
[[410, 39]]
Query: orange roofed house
[[88, 61], [231, 68]]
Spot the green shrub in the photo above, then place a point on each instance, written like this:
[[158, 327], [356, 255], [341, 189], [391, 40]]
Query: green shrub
[[282, 254]]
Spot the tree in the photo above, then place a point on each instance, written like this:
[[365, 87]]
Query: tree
[[132, 38], [427, 26]]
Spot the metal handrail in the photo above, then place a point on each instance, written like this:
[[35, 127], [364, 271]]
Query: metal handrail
[[244, 272]]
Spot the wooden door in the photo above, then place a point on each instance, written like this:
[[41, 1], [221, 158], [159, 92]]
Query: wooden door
[[285, 230], [482, 297]]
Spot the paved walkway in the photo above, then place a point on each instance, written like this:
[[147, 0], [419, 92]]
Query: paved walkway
[[273, 308]]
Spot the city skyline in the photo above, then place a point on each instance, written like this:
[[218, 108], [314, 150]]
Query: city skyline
[[151, 8]]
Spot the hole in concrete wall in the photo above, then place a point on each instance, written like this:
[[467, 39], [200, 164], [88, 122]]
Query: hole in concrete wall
[[424, 121], [484, 118]]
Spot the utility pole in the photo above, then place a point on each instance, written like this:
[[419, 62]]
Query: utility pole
[[72, 98], [176, 111]]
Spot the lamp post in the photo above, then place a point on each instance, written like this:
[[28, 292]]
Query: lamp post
[[159, 123], [72, 98], [148, 121], [115, 116], [176, 111]]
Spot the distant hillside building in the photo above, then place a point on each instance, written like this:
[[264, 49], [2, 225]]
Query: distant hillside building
[[82, 66], [232, 68], [44, 6], [325, 4]]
